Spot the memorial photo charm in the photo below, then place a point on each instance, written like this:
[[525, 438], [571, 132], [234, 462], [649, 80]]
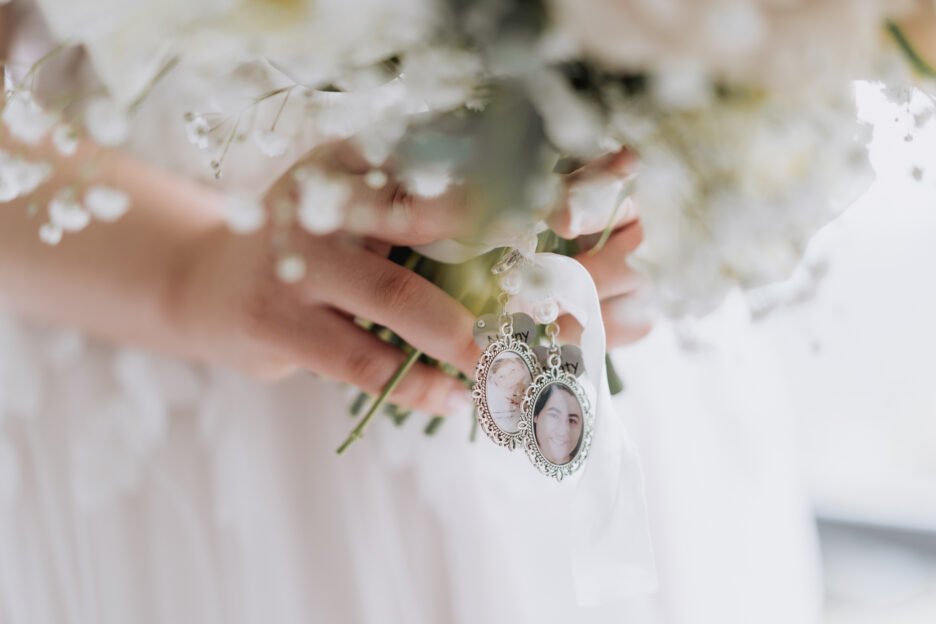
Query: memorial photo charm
[[504, 372], [558, 420], [570, 357], [487, 329]]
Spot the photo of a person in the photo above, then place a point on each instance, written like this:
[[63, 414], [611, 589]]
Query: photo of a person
[[507, 381], [557, 423]]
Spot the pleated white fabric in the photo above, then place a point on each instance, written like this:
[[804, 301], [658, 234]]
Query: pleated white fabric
[[138, 488], [148, 490]]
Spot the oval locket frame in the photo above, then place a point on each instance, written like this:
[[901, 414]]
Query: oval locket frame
[[548, 377], [504, 344]]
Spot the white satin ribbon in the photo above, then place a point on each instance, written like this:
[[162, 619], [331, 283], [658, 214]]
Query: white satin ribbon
[[612, 555]]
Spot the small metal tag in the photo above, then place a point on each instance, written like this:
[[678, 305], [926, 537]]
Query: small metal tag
[[487, 329], [569, 354]]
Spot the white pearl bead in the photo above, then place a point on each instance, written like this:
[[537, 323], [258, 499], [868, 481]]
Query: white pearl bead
[[546, 311]]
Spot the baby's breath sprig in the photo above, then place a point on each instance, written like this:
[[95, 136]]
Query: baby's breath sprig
[[203, 128], [148, 88], [30, 120]]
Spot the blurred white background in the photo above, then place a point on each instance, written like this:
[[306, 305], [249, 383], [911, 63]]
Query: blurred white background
[[762, 420], [859, 359]]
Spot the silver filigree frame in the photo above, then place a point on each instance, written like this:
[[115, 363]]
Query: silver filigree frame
[[502, 345], [540, 382]]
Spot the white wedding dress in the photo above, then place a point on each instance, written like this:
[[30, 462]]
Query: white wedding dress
[[138, 488]]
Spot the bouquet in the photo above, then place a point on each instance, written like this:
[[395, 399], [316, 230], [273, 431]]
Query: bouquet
[[741, 113]]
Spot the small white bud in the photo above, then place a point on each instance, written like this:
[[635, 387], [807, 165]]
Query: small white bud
[[50, 233], [290, 268], [106, 203]]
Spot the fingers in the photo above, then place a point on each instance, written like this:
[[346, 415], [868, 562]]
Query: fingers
[[625, 321], [575, 220], [393, 215], [618, 163], [418, 311], [589, 204], [378, 206], [337, 348], [608, 267]]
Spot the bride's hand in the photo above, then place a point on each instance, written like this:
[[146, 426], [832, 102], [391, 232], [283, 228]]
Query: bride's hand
[[619, 285], [228, 298]]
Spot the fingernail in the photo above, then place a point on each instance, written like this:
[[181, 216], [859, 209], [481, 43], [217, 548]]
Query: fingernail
[[458, 400]]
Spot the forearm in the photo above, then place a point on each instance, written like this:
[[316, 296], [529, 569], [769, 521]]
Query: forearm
[[114, 280]]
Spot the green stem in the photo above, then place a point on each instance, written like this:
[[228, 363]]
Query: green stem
[[45, 57], [917, 61], [227, 145], [358, 432], [280, 111], [165, 69]]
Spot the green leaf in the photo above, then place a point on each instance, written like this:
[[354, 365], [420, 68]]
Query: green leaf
[[434, 425], [614, 381]]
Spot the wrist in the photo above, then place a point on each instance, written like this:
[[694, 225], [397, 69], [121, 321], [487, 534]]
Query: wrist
[[186, 297]]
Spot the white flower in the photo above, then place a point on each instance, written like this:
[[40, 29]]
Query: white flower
[[322, 202], [783, 43], [107, 124], [573, 123], [106, 203], [65, 139], [25, 118], [9, 190], [375, 178], [681, 86], [50, 233], [290, 268], [19, 177], [31, 175], [68, 214], [734, 27], [197, 130], [736, 205], [376, 141], [542, 193], [426, 180], [441, 78], [244, 212], [270, 143]]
